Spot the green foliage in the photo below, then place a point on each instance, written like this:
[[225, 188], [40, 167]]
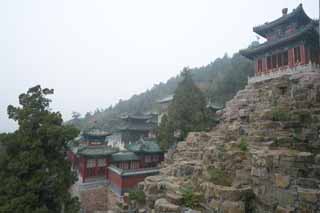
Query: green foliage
[[243, 145], [165, 136], [137, 195], [218, 177], [188, 111], [119, 205], [190, 198], [35, 175], [280, 115], [305, 117], [219, 80], [296, 135], [230, 75]]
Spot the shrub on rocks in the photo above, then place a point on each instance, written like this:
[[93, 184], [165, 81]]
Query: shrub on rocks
[[243, 145], [190, 198], [280, 115], [137, 195], [218, 177]]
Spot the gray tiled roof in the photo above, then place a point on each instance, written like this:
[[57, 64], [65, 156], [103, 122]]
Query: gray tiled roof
[[144, 171], [96, 151], [124, 156], [166, 99], [284, 19]]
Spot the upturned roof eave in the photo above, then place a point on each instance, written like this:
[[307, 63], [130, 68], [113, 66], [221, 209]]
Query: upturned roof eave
[[124, 156], [147, 152], [93, 156], [135, 128], [251, 52], [261, 30], [106, 153], [166, 99]]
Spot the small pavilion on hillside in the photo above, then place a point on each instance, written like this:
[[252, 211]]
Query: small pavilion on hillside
[[292, 45], [132, 129]]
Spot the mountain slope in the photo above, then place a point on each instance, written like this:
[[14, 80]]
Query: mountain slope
[[219, 80]]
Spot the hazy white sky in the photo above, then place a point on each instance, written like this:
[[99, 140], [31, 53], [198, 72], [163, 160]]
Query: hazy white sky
[[95, 52]]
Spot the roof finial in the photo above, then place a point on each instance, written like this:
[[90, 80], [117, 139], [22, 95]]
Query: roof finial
[[284, 11]]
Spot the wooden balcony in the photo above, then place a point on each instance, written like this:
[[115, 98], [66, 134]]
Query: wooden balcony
[[288, 71]]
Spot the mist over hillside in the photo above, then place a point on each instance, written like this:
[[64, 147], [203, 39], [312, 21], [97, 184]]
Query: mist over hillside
[[219, 80]]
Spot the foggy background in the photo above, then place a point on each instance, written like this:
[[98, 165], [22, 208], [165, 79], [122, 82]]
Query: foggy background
[[95, 52]]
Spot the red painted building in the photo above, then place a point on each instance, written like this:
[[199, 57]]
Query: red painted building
[[93, 159], [292, 41]]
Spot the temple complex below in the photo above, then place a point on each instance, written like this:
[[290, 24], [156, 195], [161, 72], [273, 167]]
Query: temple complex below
[[292, 45], [97, 162]]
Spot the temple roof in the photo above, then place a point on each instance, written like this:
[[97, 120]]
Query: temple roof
[[94, 136], [309, 28], [124, 156], [138, 122], [133, 172], [96, 132], [166, 99], [286, 18], [136, 117], [144, 146], [137, 126], [95, 151], [100, 151], [214, 106]]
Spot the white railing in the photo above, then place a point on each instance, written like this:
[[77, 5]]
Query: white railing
[[288, 71]]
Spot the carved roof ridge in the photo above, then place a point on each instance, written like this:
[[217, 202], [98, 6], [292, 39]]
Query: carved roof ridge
[[297, 11]]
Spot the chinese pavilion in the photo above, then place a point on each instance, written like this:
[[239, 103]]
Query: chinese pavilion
[[94, 159], [132, 129], [292, 45]]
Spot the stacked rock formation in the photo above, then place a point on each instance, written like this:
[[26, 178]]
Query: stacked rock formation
[[262, 157]]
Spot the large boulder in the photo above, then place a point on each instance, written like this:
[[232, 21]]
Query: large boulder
[[164, 206]]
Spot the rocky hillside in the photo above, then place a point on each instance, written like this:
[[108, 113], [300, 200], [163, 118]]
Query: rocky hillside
[[262, 157]]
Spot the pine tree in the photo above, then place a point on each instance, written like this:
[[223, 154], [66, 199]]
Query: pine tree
[[35, 175], [165, 133], [188, 109]]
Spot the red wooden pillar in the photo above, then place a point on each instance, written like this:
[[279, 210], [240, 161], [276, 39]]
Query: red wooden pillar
[[141, 161], [83, 163], [307, 52], [106, 169], [264, 65], [95, 173], [162, 157], [291, 57], [256, 67], [85, 169], [268, 70], [81, 167], [303, 54]]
